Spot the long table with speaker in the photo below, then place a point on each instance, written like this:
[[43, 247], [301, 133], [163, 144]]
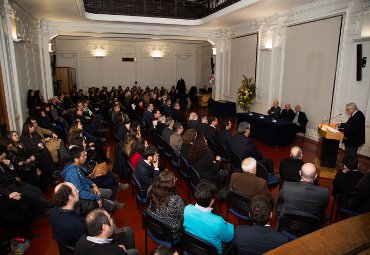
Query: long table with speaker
[[269, 130]]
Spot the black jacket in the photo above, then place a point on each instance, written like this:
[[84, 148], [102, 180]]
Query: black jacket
[[354, 130]]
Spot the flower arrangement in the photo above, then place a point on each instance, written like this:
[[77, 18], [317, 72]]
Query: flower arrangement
[[246, 93], [212, 79]]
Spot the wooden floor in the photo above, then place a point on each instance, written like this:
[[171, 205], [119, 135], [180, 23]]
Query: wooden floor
[[129, 216]]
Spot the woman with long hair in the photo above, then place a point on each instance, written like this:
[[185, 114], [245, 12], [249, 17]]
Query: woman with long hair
[[207, 165], [165, 202], [33, 144], [188, 141], [23, 162]]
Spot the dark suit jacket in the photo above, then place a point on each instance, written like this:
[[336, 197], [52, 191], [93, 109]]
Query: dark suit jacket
[[166, 134], [287, 115], [302, 120], [210, 132], [303, 198], [193, 124], [122, 132], [202, 128], [145, 174], [168, 111], [178, 116], [148, 118], [274, 112], [354, 130], [245, 147], [207, 168], [346, 182], [289, 168], [159, 128], [257, 239], [30, 143], [249, 185], [224, 138]]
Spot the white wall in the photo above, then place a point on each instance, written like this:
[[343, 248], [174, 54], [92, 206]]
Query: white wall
[[20, 61], [270, 64], [180, 60]]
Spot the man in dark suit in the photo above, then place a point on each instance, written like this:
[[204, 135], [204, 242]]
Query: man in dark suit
[[224, 137], [260, 237], [178, 116], [148, 116], [193, 121], [275, 109], [300, 120], [147, 168], [287, 113], [354, 131], [202, 127], [247, 183], [168, 131], [346, 181], [304, 197], [210, 130], [161, 124], [168, 111], [243, 146], [290, 167]]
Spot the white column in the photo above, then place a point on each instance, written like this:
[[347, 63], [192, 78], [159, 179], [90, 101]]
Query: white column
[[47, 80], [220, 73]]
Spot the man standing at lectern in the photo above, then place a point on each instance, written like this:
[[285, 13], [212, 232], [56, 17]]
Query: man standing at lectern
[[354, 131]]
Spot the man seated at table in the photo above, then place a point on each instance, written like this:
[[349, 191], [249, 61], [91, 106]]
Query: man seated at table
[[300, 120], [304, 198], [244, 146], [275, 109], [260, 237], [290, 167], [287, 113]]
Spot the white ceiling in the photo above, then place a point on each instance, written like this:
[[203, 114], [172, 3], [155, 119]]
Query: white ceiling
[[73, 11]]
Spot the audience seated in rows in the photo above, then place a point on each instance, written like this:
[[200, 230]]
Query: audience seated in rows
[[201, 222], [91, 196], [176, 139], [224, 136], [345, 183], [147, 168], [290, 167], [168, 131], [247, 183], [207, 165], [260, 237], [164, 200], [244, 146], [304, 198], [104, 238]]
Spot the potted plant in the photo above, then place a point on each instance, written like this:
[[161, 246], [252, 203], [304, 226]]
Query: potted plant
[[246, 93]]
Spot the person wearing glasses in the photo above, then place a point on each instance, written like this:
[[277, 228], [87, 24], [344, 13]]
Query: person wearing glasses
[[354, 131]]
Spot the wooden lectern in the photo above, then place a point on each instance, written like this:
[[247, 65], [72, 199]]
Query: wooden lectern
[[330, 145]]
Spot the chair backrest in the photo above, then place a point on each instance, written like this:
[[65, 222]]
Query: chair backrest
[[238, 202], [157, 227], [262, 172], [65, 250], [184, 166], [194, 177], [196, 246], [235, 161], [139, 190], [223, 151], [212, 145], [299, 225]]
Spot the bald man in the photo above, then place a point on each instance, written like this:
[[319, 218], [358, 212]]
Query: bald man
[[304, 198], [290, 167], [275, 109], [287, 113]]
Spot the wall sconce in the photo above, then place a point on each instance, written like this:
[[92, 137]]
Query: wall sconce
[[214, 51], [50, 48], [99, 52], [157, 54], [267, 41]]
